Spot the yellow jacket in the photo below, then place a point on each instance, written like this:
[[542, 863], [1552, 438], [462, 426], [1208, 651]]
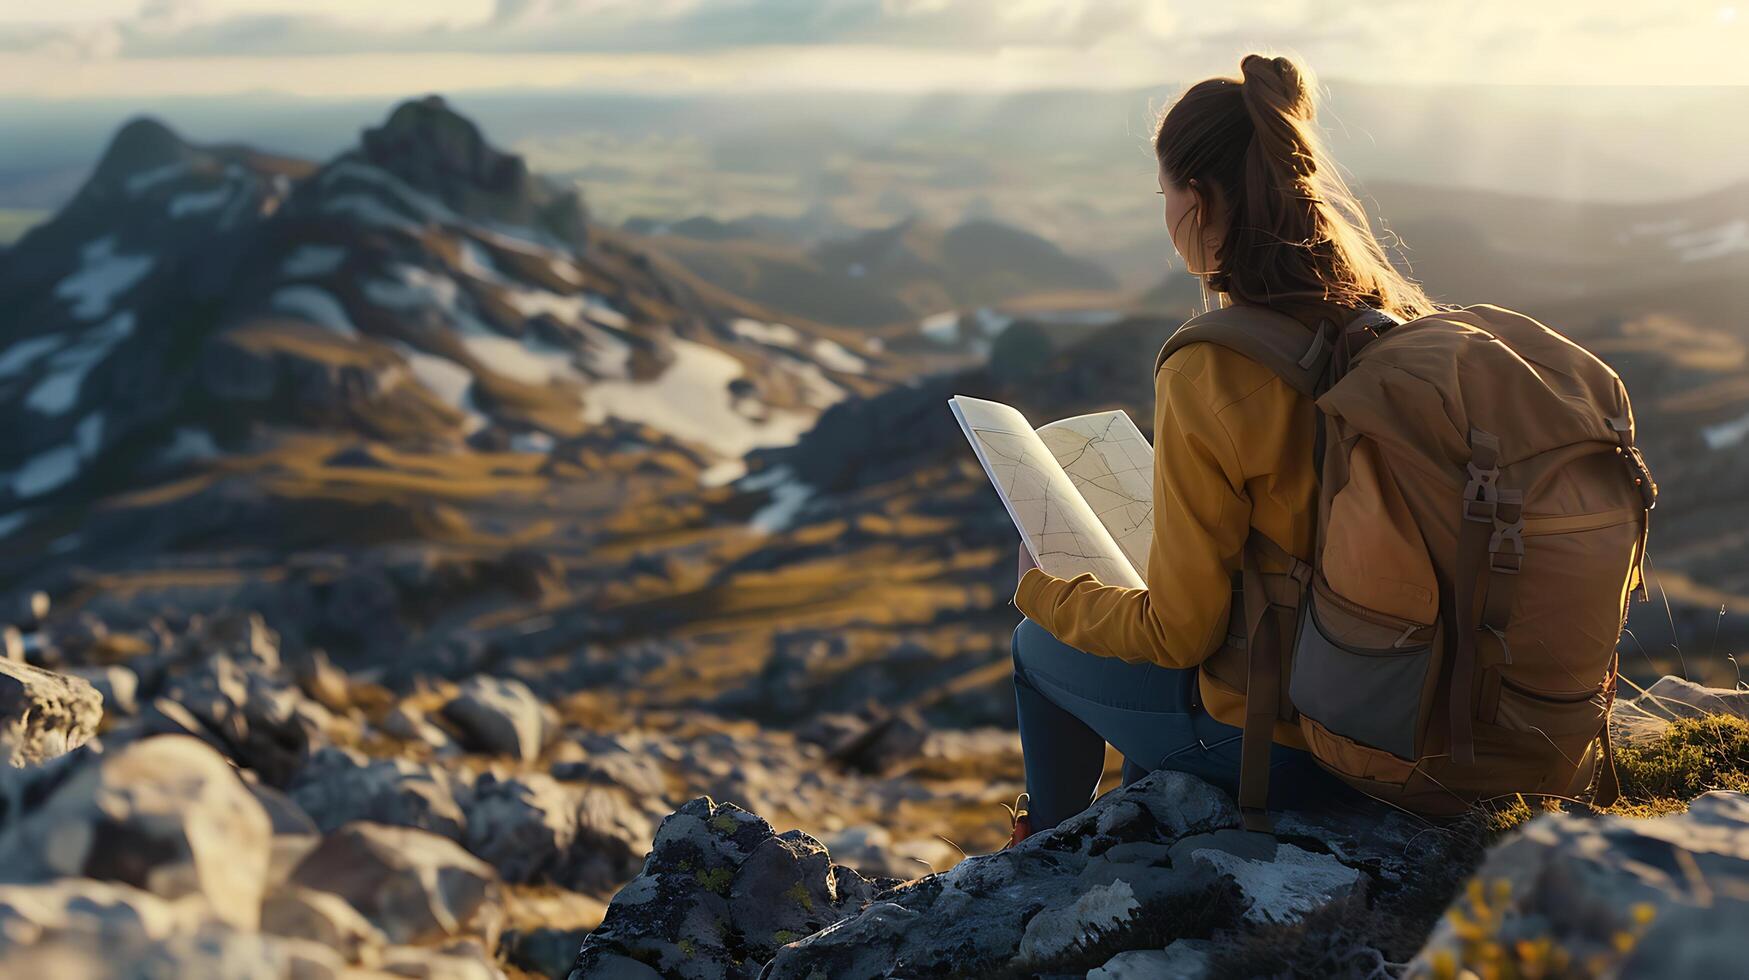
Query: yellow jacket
[[1232, 451]]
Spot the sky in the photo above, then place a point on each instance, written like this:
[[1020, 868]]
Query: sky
[[78, 49]]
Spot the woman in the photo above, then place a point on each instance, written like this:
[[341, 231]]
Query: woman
[[1257, 211]]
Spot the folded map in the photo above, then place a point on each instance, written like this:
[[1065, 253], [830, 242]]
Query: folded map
[[1080, 490]]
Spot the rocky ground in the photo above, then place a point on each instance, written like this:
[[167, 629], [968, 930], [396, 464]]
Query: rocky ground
[[190, 800]]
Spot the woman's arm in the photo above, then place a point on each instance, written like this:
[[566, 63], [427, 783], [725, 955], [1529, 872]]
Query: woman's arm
[[1202, 517]]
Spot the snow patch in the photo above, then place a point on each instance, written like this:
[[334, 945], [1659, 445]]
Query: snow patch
[[316, 305], [723, 473], [142, 182], [943, 328], [57, 392], [527, 364], [788, 494], [760, 332], [89, 434], [449, 381], [13, 521], [102, 277], [532, 442], [691, 400], [1712, 243], [817, 389], [189, 445], [25, 353], [368, 211], [196, 202], [314, 260], [1726, 434], [834, 357], [46, 471]]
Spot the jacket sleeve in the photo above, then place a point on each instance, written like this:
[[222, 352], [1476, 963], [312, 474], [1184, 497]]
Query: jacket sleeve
[[1202, 517]]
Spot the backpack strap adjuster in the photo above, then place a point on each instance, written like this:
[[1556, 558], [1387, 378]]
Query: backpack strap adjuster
[[1506, 544]]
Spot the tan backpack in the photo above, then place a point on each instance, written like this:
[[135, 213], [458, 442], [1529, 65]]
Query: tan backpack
[[1482, 519]]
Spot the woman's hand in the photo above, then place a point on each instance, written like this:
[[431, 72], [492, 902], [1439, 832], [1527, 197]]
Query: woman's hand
[[1026, 561]]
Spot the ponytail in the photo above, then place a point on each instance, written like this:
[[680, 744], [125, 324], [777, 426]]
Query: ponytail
[[1295, 234]]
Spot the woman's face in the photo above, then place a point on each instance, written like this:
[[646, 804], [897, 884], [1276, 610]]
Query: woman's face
[[1195, 226]]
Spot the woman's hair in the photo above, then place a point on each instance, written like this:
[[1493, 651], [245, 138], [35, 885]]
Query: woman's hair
[[1295, 234]]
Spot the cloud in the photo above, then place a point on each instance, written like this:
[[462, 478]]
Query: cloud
[[301, 45]]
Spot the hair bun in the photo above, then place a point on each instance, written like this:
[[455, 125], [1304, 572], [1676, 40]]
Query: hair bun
[[1275, 86]]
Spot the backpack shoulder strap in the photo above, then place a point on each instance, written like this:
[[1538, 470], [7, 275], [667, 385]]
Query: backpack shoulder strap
[[1295, 352]]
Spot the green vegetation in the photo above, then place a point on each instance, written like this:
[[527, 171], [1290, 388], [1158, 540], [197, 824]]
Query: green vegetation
[[1696, 755]]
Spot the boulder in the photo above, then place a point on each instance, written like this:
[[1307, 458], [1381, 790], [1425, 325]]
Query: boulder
[[116, 684], [415, 886], [719, 893], [43, 714], [1645, 717], [499, 715], [1606, 896], [533, 827], [1162, 859], [104, 910], [340, 786], [165, 814], [297, 912], [264, 723]]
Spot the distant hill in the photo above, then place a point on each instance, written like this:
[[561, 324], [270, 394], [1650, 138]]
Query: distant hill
[[899, 273], [195, 303]]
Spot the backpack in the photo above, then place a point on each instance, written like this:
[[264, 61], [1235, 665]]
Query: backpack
[[1482, 522]]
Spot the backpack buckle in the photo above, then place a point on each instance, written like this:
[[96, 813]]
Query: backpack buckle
[[1481, 495], [1506, 544]]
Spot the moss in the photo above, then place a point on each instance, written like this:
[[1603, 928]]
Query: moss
[[724, 824], [798, 893], [783, 937], [716, 880], [688, 949], [1693, 756]]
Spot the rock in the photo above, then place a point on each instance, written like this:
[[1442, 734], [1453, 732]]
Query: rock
[[11, 644], [211, 953], [340, 786], [327, 684], [1610, 896], [116, 684], [44, 714], [1185, 959], [409, 724], [1646, 717], [499, 715], [166, 814], [454, 963], [29, 610], [294, 833], [874, 740], [255, 718], [243, 637], [613, 760], [415, 886], [105, 909], [710, 862], [545, 951], [533, 827], [322, 917]]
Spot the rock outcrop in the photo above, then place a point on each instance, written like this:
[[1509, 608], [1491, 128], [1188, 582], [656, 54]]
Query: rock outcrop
[[44, 714], [1606, 896], [1160, 860]]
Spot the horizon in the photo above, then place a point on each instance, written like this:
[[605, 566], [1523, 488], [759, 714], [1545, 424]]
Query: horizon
[[159, 48]]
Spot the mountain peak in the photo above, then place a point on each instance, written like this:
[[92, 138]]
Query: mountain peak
[[142, 144], [438, 150]]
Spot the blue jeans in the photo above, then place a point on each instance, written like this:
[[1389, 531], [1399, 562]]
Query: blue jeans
[[1072, 703]]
